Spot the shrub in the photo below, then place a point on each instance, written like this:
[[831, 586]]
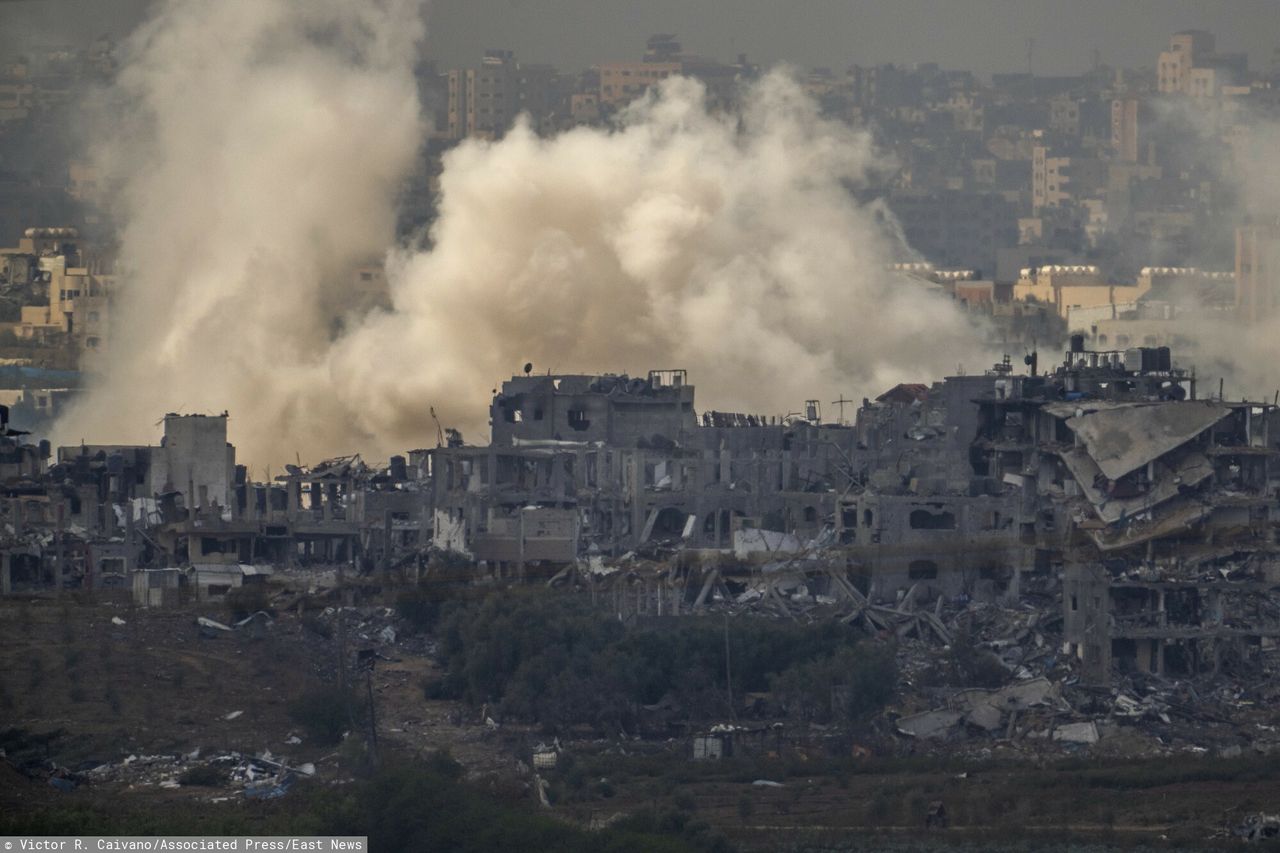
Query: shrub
[[246, 600], [204, 775], [547, 658], [326, 713]]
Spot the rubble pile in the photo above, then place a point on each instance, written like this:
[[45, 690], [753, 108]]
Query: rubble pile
[[261, 776]]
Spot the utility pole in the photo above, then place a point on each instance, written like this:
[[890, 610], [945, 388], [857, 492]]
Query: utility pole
[[373, 717], [728, 675], [342, 636]]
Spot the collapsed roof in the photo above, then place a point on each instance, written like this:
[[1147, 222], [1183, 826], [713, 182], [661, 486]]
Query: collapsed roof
[[1123, 439]]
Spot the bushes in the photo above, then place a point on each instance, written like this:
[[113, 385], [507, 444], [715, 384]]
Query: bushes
[[448, 578], [204, 775], [541, 657], [326, 713], [246, 600], [846, 685]]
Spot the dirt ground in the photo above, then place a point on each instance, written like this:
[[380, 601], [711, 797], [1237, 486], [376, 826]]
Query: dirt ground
[[93, 692], [88, 692]]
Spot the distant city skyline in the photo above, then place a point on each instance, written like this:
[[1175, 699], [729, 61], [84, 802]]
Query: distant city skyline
[[985, 36], [989, 37]]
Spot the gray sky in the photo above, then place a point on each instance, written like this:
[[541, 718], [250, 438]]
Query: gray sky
[[982, 35]]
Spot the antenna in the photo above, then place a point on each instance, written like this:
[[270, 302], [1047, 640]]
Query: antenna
[[841, 403], [439, 431]]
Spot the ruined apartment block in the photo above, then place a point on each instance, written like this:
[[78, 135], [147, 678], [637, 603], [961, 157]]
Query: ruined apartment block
[[1105, 483]]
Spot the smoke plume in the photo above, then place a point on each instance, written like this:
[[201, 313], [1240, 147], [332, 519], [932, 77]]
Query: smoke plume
[[254, 147], [727, 244], [1234, 147]]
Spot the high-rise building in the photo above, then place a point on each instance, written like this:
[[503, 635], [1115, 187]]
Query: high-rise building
[[1257, 271], [1173, 73], [1126, 115], [484, 101]]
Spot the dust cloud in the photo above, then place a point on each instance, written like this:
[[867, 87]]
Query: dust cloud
[[253, 149], [261, 166], [1220, 345], [728, 245]]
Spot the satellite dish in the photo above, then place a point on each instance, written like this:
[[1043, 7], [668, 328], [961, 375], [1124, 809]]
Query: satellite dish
[[528, 368]]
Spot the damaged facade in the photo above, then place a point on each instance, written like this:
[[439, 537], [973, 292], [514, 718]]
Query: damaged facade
[[1105, 483], [182, 518]]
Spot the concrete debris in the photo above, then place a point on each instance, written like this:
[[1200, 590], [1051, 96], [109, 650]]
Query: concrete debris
[[1086, 732], [259, 777], [1258, 828], [211, 627], [1094, 543], [929, 724]]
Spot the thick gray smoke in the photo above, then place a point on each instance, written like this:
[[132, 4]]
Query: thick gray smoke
[[1245, 354], [254, 147], [1239, 143], [729, 245]]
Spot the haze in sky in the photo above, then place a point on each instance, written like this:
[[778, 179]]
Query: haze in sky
[[982, 35]]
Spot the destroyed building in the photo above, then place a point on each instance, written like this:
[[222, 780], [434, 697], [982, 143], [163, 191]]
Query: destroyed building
[[607, 464], [1105, 482], [979, 487], [183, 514]]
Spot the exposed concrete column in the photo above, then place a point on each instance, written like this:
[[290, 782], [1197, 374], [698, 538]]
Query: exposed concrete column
[[637, 492], [520, 534], [558, 476]]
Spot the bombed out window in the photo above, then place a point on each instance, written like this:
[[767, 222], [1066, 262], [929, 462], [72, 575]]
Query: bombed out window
[[922, 570], [923, 519], [578, 420]]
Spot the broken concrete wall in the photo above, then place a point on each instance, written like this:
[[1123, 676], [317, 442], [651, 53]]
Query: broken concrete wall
[[195, 459], [449, 532]]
